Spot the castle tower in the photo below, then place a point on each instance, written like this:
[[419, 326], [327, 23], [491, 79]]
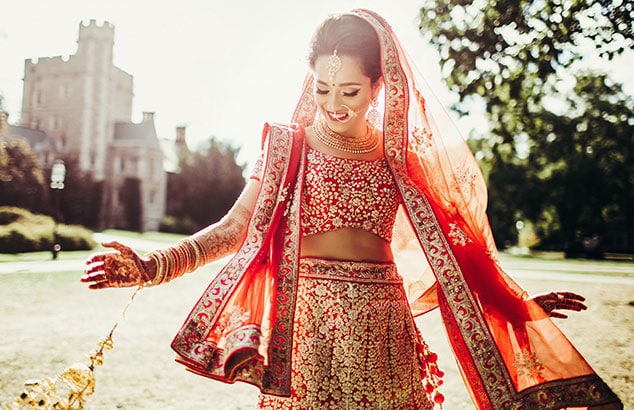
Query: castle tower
[[84, 104], [76, 100]]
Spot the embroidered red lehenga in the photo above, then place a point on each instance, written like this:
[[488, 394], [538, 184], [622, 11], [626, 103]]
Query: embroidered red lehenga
[[253, 322]]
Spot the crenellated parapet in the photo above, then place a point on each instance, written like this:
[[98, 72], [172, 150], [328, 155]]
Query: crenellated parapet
[[93, 28]]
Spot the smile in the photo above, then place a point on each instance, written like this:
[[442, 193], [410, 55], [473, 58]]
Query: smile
[[338, 116]]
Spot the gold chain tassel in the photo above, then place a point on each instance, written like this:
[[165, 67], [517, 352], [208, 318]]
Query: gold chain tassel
[[72, 388]]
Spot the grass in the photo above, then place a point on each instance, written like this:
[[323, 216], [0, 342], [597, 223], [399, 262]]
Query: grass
[[49, 320], [560, 264], [159, 237], [42, 256], [149, 236]]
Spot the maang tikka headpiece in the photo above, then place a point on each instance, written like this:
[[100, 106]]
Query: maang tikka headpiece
[[334, 65]]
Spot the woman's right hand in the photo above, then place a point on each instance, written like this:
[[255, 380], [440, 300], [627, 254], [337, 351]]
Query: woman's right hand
[[120, 268]]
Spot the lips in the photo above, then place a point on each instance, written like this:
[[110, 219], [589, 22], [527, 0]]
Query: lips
[[338, 116]]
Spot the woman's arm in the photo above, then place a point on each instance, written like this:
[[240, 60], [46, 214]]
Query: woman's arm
[[123, 267], [207, 245]]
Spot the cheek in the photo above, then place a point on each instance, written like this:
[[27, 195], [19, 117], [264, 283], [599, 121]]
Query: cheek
[[360, 104], [319, 99]]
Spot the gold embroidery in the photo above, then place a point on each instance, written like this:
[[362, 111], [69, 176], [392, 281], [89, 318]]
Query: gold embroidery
[[465, 179], [527, 364], [348, 193], [467, 314], [281, 339], [282, 195], [258, 168], [197, 341], [420, 141], [471, 323], [355, 343], [457, 235]]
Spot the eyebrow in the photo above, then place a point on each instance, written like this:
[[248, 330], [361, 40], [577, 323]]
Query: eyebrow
[[348, 84]]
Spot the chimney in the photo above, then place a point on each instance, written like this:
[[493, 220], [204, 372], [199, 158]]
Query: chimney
[[180, 135], [182, 150], [148, 116]]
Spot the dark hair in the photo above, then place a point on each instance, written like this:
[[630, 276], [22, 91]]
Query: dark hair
[[351, 36]]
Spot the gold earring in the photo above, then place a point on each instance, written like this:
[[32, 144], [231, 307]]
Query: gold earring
[[374, 117]]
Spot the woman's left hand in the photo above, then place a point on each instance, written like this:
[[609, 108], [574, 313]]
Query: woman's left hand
[[120, 268], [559, 300]]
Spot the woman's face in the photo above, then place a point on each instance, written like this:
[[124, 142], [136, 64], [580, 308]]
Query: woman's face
[[343, 95]]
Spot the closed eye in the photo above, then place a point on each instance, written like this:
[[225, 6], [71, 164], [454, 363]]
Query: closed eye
[[351, 93]]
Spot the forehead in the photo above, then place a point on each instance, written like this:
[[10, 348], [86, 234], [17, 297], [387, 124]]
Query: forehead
[[350, 70]]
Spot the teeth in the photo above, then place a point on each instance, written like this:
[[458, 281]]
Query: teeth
[[338, 116]]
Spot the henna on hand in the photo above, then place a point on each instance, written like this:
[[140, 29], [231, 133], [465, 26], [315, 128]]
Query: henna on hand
[[120, 268], [552, 301], [212, 243], [225, 237]]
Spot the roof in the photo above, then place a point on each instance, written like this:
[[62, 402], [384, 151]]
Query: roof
[[132, 131], [33, 136]]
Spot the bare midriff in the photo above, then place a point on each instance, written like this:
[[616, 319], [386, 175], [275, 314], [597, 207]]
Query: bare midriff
[[349, 244]]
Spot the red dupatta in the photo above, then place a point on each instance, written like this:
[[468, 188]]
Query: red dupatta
[[241, 327], [510, 353], [512, 356]]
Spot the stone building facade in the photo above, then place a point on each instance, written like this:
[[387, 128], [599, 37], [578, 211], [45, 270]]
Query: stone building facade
[[84, 104]]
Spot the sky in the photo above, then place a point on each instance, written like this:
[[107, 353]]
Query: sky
[[221, 68]]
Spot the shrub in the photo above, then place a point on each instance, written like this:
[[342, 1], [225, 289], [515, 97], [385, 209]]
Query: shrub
[[75, 238], [23, 231], [172, 224]]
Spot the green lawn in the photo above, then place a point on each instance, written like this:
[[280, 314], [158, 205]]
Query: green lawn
[[50, 320], [159, 237]]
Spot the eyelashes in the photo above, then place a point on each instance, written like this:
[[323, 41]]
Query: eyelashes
[[345, 94]]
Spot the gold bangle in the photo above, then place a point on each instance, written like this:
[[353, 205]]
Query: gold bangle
[[159, 272]]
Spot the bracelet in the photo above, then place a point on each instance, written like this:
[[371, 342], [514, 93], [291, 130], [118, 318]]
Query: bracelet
[[159, 277], [175, 261]]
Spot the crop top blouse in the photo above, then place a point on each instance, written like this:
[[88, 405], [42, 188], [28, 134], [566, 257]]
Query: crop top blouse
[[345, 193], [348, 193]]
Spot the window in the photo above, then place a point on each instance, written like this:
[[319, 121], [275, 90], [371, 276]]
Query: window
[[64, 91]]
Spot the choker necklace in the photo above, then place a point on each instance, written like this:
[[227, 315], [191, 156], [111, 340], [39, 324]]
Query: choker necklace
[[328, 137]]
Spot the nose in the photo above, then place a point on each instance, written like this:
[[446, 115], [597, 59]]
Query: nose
[[333, 101]]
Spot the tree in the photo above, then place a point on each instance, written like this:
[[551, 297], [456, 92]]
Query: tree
[[131, 192], [208, 184], [518, 59], [21, 178], [582, 164], [80, 200]]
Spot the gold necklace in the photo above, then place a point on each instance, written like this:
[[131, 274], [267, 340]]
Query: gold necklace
[[328, 137]]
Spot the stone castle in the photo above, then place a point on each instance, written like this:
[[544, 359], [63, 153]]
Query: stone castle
[[83, 103]]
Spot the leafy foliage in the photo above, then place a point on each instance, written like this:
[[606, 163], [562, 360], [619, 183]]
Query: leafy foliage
[[23, 231], [21, 178], [208, 184], [561, 139], [80, 200], [131, 192]]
